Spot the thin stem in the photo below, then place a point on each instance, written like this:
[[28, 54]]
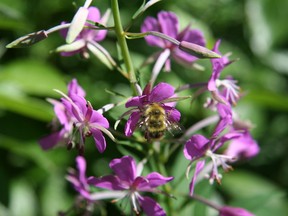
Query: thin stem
[[122, 42], [206, 202], [131, 35]]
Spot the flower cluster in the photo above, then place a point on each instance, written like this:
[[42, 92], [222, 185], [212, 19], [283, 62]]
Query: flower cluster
[[151, 110]]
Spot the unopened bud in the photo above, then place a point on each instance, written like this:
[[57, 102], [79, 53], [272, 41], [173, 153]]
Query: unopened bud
[[197, 50], [28, 40]]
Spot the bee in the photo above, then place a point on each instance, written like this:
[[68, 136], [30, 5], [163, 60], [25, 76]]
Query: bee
[[155, 122]]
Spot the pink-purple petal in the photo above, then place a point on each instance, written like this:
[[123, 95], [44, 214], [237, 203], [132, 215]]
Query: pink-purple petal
[[234, 211], [151, 24], [196, 147], [99, 119], [154, 180], [151, 207], [135, 101], [74, 88], [99, 139], [132, 123], [161, 92], [124, 168], [81, 165], [243, 147], [51, 140], [168, 23], [199, 166], [173, 114], [109, 182]]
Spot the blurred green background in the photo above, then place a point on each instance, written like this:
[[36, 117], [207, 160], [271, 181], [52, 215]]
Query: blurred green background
[[255, 31]]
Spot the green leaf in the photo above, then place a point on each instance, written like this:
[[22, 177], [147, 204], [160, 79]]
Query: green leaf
[[268, 99], [31, 107], [23, 198], [255, 193], [20, 79], [32, 77], [29, 150]]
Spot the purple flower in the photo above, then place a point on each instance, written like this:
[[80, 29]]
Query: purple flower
[[78, 179], [226, 90], [75, 114], [80, 183], [199, 147], [64, 119], [87, 121], [244, 147], [87, 38], [159, 97], [167, 23], [234, 211], [128, 180]]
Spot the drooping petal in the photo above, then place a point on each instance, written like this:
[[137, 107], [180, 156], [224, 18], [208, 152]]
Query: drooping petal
[[99, 139], [124, 168], [109, 182], [51, 140], [151, 24], [196, 147], [168, 23], [161, 92], [234, 211], [153, 180], [173, 114], [132, 123], [225, 113], [199, 166], [151, 207]]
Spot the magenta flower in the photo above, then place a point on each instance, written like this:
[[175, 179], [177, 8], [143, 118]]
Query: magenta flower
[[167, 23], [199, 147], [64, 119], [226, 90], [128, 180], [234, 211], [87, 39], [78, 179], [161, 97], [244, 147], [87, 121], [80, 183], [75, 114]]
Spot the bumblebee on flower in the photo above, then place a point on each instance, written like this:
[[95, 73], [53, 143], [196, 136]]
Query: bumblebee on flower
[[153, 112]]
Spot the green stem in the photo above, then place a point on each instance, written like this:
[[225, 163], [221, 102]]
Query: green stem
[[167, 189], [122, 42]]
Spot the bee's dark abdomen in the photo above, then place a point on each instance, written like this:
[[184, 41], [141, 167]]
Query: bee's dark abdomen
[[154, 135]]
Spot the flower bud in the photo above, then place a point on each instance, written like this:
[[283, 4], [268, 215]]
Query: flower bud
[[197, 50]]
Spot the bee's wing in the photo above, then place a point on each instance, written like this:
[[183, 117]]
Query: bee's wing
[[174, 128]]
